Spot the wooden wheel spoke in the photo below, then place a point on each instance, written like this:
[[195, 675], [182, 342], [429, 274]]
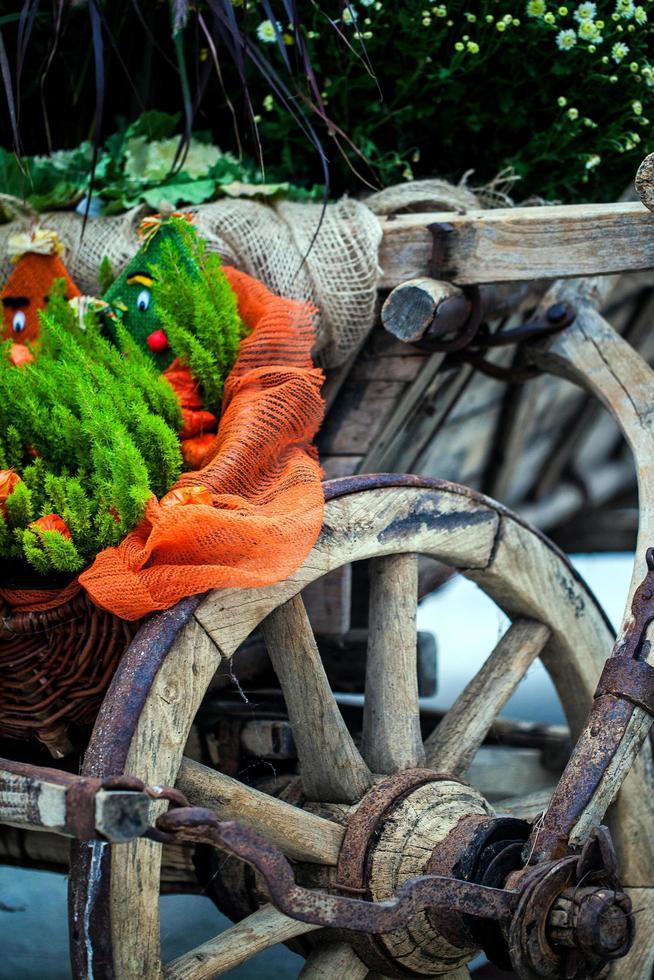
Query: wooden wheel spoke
[[298, 834], [264, 928], [330, 765], [452, 745], [333, 962], [391, 714]]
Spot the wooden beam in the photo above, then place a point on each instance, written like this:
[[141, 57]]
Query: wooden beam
[[35, 798], [453, 744], [517, 244], [264, 928], [391, 711], [330, 765], [299, 834]]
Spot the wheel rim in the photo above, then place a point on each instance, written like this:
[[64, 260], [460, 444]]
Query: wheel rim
[[378, 519]]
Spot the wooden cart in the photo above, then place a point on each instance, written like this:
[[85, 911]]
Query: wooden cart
[[369, 851]]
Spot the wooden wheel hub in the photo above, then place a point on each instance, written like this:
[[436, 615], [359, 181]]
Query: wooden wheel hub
[[413, 823]]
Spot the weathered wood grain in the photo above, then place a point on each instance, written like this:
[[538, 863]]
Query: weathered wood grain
[[391, 712], [155, 755], [334, 962], [259, 931], [517, 244], [413, 306], [300, 835], [645, 182], [330, 765], [452, 745]]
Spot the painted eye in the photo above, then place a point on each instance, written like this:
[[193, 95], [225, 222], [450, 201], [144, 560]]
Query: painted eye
[[18, 323], [143, 300]]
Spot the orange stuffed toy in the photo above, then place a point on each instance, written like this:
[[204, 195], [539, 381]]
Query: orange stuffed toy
[[38, 264]]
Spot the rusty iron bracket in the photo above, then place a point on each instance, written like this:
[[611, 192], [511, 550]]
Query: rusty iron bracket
[[627, 680], [523, 909], [459, 328], [202, 826], [81, 812], [630, 680]]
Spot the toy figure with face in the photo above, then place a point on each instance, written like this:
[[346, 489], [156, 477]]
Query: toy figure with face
[[38, 265], [130, 294]]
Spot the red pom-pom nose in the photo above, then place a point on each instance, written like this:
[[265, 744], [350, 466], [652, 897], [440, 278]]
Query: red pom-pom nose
[[158, 342]]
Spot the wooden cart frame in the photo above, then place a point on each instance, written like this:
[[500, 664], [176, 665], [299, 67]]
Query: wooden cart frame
[[368, 821]]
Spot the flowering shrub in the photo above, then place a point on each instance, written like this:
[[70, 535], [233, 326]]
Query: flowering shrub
[[561, 93]]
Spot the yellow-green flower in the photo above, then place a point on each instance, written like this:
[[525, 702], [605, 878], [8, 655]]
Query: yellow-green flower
[[266, 31], [565, 40], [585, 11], [459, 46], [619, 52], [536, 8], [587, 31], [572, 113], [640, 15], [637, 107], [563, 11], [562, 101], [268, 103], [625, 8], [593, 161], [473, 47], [549, 18]]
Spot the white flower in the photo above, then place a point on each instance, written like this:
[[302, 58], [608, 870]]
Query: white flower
[[585, 11], [266, 31], [619, 51], [588, 31], [349, 15], [566, 40], [625, 8], [367, 3]]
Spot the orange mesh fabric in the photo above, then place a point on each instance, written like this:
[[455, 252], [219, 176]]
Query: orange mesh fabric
[[261, 471]]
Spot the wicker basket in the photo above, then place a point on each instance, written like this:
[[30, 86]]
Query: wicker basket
[[55, 667]]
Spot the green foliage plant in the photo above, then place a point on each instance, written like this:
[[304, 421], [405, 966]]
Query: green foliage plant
[[91, 429], [196, 308]]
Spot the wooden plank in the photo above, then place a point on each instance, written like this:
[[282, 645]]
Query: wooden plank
[[330, 765], [391, 711], [517, 244], [382, 448], [264, 928], [300, 835], [358, 415], [453, 744], [335, 467]]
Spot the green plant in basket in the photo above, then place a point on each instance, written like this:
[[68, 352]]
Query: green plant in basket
[[89, 431]]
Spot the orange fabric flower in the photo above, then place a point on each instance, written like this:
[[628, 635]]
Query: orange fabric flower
[[8, 481], [19, 354], [183, 496], [50, 522], [196, 423], [195, 450]]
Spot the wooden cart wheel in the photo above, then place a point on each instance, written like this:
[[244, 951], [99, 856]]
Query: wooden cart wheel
[[147, 714]]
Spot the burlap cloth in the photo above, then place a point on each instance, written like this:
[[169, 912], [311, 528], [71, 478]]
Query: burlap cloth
[[324, 255]]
